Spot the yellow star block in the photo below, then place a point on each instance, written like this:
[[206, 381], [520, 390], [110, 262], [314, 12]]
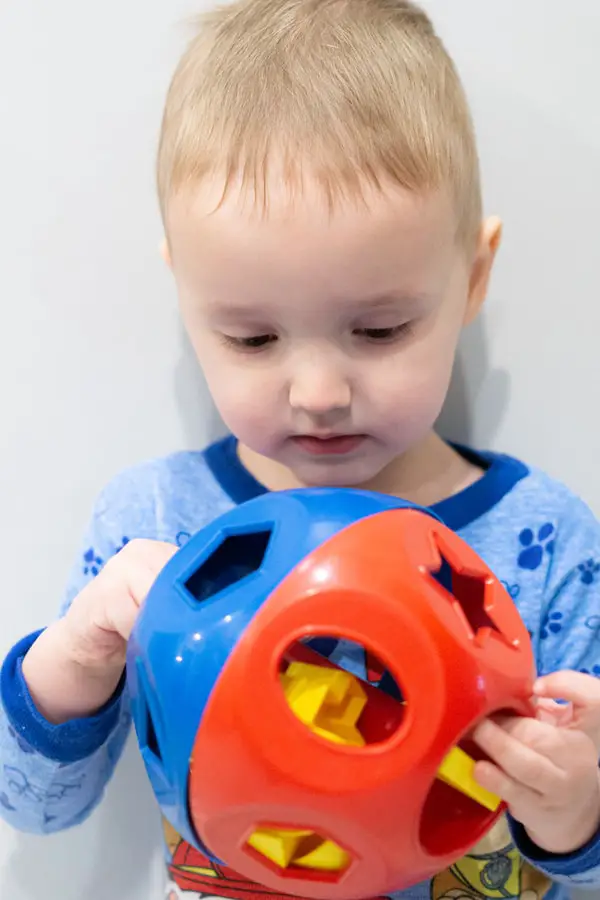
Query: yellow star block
[[328, 701]]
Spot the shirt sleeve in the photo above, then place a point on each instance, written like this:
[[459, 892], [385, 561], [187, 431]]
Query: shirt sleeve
[[569, 638], [53, 776]]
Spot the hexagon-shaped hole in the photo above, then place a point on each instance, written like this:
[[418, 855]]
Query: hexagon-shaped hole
[[324, 693], [236, 558], [298, 852]]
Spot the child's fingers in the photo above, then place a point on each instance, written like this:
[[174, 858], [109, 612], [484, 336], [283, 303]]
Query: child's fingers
[[581, 690], [497, 782], [510, 746], [553, 713]]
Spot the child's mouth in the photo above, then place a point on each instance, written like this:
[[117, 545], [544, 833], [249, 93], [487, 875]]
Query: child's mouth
[[333, 445]]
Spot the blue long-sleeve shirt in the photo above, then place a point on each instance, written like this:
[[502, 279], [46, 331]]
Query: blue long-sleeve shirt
[[541, 541]]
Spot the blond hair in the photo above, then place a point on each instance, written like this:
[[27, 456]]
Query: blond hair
[[348, 92]]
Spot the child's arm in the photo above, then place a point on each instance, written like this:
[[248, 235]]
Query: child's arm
[[64, 715], [549, 774], [52, 777]]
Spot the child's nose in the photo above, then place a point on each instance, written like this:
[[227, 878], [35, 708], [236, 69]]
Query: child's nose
[[318, 390]]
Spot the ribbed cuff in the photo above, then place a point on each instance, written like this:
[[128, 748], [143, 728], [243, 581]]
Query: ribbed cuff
[[66, 743]]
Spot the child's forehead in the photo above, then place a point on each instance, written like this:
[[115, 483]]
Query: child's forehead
[[205, 218], [358, 259], [399, 248]]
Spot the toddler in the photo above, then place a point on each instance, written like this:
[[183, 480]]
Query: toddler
[[319, 187]]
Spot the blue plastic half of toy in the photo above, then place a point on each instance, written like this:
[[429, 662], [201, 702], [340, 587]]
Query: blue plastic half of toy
[[199, 607]]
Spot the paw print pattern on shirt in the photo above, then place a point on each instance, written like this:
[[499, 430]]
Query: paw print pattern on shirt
[[552, 624], [589, 571], [535, 545], [513, 590], [92, 563], [595, 671]]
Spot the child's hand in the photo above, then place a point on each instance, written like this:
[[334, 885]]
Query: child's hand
[[582, 708], [101, 618], [547, 774], [74, 667]]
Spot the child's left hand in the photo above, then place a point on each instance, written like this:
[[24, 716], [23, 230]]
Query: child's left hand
[[546, 769]]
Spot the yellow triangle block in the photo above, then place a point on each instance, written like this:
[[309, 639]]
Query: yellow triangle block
[[277, 845], [287, 848], [326, 857], [457, 771]]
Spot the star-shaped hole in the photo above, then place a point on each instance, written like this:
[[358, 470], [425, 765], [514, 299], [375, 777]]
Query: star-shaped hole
[[469, 594]]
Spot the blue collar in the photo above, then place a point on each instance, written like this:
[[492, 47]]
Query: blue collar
[[501, 474]]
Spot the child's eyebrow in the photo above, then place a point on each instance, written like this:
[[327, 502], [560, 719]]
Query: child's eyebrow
[[405, 299], [232, 310], [236, 310]]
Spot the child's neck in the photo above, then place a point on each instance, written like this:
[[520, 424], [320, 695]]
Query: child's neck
[[427, 474]]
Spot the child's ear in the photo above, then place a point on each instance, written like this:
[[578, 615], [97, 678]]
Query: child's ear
[[490, 237], [166, 253]]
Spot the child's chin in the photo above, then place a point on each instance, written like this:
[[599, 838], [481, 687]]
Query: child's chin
[[341, 473]]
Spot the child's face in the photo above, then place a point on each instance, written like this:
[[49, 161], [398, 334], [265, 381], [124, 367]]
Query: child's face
[[327, 341]]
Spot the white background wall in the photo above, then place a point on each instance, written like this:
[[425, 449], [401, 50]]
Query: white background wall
[[94, 372]]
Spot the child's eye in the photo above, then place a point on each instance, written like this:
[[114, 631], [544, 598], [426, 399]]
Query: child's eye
[[383, 335], [255, 342]]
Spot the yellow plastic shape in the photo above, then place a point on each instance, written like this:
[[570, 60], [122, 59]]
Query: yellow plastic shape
[[457, 771], [277, 844], [328, 701], [327, 856], [296, 848]]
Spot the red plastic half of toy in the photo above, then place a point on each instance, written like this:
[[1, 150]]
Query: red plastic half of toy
[[420, 599]]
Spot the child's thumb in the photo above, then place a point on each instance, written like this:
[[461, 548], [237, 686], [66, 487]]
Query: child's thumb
[[553, 713]]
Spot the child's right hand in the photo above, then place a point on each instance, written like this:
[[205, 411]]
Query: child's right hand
[[76, 664], [580, 706]]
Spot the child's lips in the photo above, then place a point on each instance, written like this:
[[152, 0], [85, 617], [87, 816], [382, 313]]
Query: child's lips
[[329, 445]]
